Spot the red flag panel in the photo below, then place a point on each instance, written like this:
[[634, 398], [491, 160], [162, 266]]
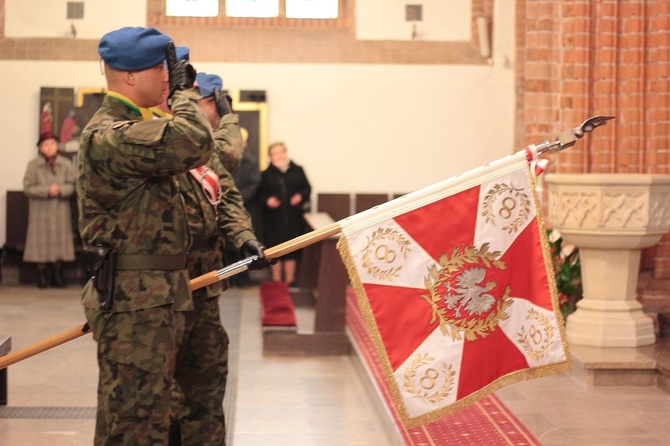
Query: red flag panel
[[451, 220], [402, 321], [487, 359]]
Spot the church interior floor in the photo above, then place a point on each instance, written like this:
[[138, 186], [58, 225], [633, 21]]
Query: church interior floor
[[284, 400]]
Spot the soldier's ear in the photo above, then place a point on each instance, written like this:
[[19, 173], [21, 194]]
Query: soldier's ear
[[129, 78]]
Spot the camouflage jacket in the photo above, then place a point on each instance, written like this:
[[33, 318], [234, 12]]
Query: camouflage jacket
[[128, 197], [229, 219], [229, 147]]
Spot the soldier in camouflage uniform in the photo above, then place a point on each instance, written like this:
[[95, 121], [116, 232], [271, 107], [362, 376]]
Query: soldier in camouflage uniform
[[216, 214], [131, 211]]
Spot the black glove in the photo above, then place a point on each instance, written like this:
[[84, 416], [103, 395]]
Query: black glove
[[182, 73], [224, 104], [256, 248]]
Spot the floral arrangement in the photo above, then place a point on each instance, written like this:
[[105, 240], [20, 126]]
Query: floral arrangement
[[567, 270]]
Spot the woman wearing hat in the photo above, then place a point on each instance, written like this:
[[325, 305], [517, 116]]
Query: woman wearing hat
[[48, 183]]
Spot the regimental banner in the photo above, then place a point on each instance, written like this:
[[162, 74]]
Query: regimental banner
[[456, 288]]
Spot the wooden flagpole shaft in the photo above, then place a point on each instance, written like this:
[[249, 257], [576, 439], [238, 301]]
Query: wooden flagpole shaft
[[43, 345], [275, 252], [303, 241], [195, 283]]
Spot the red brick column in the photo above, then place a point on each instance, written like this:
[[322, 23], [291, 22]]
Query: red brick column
[[603, 57]]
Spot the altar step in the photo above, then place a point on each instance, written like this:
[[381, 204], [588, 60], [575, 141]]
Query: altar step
[[646, 366], [634, 366]]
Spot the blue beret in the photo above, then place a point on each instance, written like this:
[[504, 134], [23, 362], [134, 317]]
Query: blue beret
[[207, 83], [182, 53], [133, 49]]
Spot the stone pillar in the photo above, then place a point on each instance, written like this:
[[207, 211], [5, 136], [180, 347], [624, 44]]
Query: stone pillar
[[610, 218]]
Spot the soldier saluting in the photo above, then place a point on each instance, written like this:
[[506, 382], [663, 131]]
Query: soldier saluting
[[132, 217]]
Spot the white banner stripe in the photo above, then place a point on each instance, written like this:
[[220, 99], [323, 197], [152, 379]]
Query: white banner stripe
[[432, 193], [406, 265], [534, 331], [429, 378], [511, 210]]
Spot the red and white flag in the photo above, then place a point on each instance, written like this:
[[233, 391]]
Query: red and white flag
[[456, 287]]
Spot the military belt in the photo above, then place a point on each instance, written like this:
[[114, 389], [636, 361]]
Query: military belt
[[204, 243], [148, 261]]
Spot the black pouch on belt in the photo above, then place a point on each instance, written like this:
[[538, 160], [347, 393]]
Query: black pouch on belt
[[101, 264]]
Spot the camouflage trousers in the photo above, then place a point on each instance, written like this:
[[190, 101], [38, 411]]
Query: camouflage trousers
[[136, 357], [200, 376]]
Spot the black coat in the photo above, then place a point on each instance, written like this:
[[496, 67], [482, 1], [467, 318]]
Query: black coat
[[247, 179], [284, 222]]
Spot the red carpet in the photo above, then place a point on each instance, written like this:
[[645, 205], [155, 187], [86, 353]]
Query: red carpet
[[277, 305], [486, 422]]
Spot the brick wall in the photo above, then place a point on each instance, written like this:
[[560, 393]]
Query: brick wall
[[581, 58], [278, 40]]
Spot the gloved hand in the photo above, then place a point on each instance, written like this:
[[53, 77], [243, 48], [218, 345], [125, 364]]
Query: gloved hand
[[223, 103], [182, 74], [256, 248]]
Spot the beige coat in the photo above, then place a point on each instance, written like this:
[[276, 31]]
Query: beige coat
[[49, 237]]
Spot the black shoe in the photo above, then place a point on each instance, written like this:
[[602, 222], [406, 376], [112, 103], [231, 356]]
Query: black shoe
[[41, 278], [56, 279]]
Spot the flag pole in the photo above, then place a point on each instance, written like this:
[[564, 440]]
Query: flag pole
[[196, 283], [271, 253], [564, 140]]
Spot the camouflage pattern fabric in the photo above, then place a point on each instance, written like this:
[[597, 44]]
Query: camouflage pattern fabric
[[230, 219], [136, 357], [228, 139], [128, 199], [202, 371], [202, 367]]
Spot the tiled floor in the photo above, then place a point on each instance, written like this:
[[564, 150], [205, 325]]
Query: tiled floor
[[301, 401]]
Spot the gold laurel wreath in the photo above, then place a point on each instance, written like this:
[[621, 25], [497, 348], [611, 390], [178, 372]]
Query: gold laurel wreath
[[472, 328], [498, 190], [375, 271], [524, 336], [441, 393]]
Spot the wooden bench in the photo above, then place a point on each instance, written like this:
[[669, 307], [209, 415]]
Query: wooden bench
[[323, 284], [5, 347]]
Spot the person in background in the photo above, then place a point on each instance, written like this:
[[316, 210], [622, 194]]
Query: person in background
[[49, 183], [134, 226], [247, 179], [284, 193]]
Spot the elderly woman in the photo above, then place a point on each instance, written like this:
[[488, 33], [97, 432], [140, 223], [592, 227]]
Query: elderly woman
[[48, 183], [284, 192]]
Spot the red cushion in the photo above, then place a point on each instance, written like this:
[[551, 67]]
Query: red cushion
[[278, 308]]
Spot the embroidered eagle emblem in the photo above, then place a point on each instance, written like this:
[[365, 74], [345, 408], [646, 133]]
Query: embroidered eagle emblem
[[469, 294], [457, 284]]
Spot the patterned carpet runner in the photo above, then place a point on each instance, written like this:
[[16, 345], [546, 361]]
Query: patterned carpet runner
[[486, 422]]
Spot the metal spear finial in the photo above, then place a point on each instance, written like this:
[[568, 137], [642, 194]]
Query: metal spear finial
[[568, 138]]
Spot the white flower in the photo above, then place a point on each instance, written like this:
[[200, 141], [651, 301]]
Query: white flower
[[566, 250], [554, 235]]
